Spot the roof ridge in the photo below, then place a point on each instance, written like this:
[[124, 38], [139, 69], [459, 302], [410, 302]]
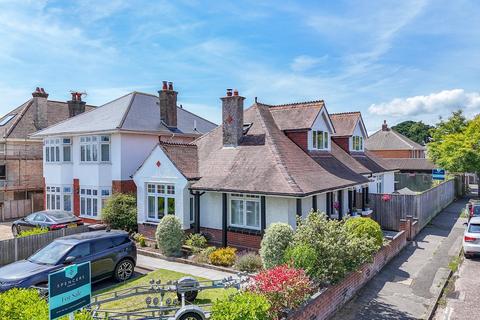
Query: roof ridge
[[295, 104], [17, 120], [182, 144], [345, 113], [406, 140]]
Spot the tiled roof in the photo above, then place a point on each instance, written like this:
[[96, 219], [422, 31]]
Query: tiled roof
[[267, 161], [135, 111], [374, 164], [345, 123], [21, 125], [296, 115], [348, 160], [184, 157], [391, 140], [410, 164]]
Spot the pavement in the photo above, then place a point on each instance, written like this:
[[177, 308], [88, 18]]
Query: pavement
[[408, 285], [150, 263], [6, 231]]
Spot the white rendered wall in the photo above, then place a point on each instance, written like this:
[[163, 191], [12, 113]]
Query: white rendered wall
[[320, 124]]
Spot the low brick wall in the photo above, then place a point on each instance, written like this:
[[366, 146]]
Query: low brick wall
[[324, 304]]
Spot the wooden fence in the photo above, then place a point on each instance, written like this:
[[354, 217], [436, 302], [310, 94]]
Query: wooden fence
[[423, 206], [20, 248], [15, 209]]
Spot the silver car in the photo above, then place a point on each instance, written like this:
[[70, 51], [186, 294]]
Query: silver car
[[471, 238]]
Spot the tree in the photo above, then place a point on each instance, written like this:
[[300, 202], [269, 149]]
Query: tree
[[414, 130], [120, 212], [456, 144]]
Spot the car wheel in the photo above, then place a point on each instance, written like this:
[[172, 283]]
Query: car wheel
[[15, 231], [467, 256], [124, 270], [190, 316]]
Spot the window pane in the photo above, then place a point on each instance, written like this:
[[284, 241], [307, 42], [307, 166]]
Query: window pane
[[253, 214], [66, 154], [89, 206], [161, 189], [88, 152], [192, 213], [105, 152], [151, 188], [94, 152], [314, 139], [171, 205], [57, 202], [47, 154], [325, 140], [57, 153], [67, 202], [319, 140], [48, 203], [82, 206], [94, 207], [151, 207], [82, 153], [161, 207], [236, 216], [170, 189]]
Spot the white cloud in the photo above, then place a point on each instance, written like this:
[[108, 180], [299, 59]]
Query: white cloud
[[305, 62], [438, 103]]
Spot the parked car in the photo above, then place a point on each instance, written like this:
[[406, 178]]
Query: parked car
[[111, 253], [471, 238], [473, 209], [52, 220]]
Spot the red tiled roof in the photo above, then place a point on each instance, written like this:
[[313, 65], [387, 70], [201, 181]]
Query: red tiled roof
[[184, 157], [345, 123]]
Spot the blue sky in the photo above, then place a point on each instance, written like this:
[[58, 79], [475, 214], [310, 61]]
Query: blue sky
[[393, 60]]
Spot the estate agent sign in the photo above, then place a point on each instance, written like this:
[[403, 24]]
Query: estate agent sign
[[69, 290], [438, 174]]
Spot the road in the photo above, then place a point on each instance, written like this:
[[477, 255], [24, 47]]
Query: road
[[408, 285]]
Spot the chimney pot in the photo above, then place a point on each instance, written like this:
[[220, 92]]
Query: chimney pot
[[229, 92], [170, 86], [235, 92], [164, 86], [384, 126]]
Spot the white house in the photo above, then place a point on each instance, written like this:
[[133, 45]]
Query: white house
[[94, 154], [262, 165]]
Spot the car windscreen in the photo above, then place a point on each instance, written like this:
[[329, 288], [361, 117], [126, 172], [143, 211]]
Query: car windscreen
[[60, 215], [52, 253], [474, 228]]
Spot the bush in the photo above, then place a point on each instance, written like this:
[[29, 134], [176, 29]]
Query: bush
[[249, 262], [241, 306], [32, 232], [302, 256], [196, 241], [120, 212], [26, 304], [140, 239], [277, 238], [202, 256], [284, 287], [337, 251], [223, 257], [365, 227], [169, 235]]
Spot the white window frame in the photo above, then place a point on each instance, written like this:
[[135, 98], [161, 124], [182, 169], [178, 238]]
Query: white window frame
[[380, 184], [91, 149], [56, 197], [92, 200], [192, 209], [357, 143], [54, 149], [245, 198], [325, 140], [156, 191]]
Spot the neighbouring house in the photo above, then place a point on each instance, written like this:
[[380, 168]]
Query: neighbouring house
[[398, 151], [264, 164], [91, 156], [21, 173]]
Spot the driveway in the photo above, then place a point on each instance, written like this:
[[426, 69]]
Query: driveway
[[408, 285], [5, 230]]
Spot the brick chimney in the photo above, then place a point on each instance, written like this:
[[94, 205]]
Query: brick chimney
[[232, 118], [76, 105], [168, 105], [385, 126], [40, 107]]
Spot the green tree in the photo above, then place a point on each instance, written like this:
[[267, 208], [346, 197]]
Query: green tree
[[414, 130], [120, 212], [456, 144]]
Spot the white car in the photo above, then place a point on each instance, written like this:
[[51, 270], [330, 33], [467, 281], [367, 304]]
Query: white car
[[471, 238]]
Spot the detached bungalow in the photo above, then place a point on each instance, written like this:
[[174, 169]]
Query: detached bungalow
[[262, 165]]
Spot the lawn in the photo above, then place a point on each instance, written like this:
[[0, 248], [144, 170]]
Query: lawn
[[136, 303]]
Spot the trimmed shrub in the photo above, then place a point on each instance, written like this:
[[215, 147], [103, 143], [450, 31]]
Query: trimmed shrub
[[223, 257], [120, 212], [277, 238], [202, 256], [169, 235], [249, 262], [32, 232], [140, 239], [196, 241], [365, 227], [241, 306], [302, 256], [284, 287]]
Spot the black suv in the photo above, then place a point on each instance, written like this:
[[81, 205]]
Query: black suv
[[111, 253]]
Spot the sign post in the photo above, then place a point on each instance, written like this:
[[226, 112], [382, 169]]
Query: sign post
[[438, 174], [69, 290]]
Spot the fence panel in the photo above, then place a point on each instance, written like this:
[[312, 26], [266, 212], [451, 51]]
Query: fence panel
[[423, 206], [20, 248]]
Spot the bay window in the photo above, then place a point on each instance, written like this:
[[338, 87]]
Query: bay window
[[357, 143], [320, 140], [58, 149], [244, 211], [160, 200], [92, 201], [91, 146]]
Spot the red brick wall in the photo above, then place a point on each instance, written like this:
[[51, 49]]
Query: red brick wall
[[300, 138], [392, 153], [342, 142], [148, 230], [124, 186], [76, 197], [44, 194], [325, 304]]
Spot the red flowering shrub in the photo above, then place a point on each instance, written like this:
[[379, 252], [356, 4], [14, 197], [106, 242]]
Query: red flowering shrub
[[284, 287]]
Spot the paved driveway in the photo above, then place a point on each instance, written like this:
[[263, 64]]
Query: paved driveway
[[406, 287], [5, 230]]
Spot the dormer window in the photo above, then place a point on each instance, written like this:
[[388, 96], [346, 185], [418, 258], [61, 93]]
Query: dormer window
[[320, 140], [357, 143]]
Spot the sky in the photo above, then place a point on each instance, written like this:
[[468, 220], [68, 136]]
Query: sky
[[392, 60]]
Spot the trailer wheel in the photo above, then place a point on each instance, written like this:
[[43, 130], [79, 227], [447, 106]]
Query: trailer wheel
[[188, 282], [190, 316]]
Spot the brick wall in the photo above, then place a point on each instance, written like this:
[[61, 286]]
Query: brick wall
[[324, 304], [343, 142], [392, 153], [300, 138], [124, 186], [76, 197], [148, 230]]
